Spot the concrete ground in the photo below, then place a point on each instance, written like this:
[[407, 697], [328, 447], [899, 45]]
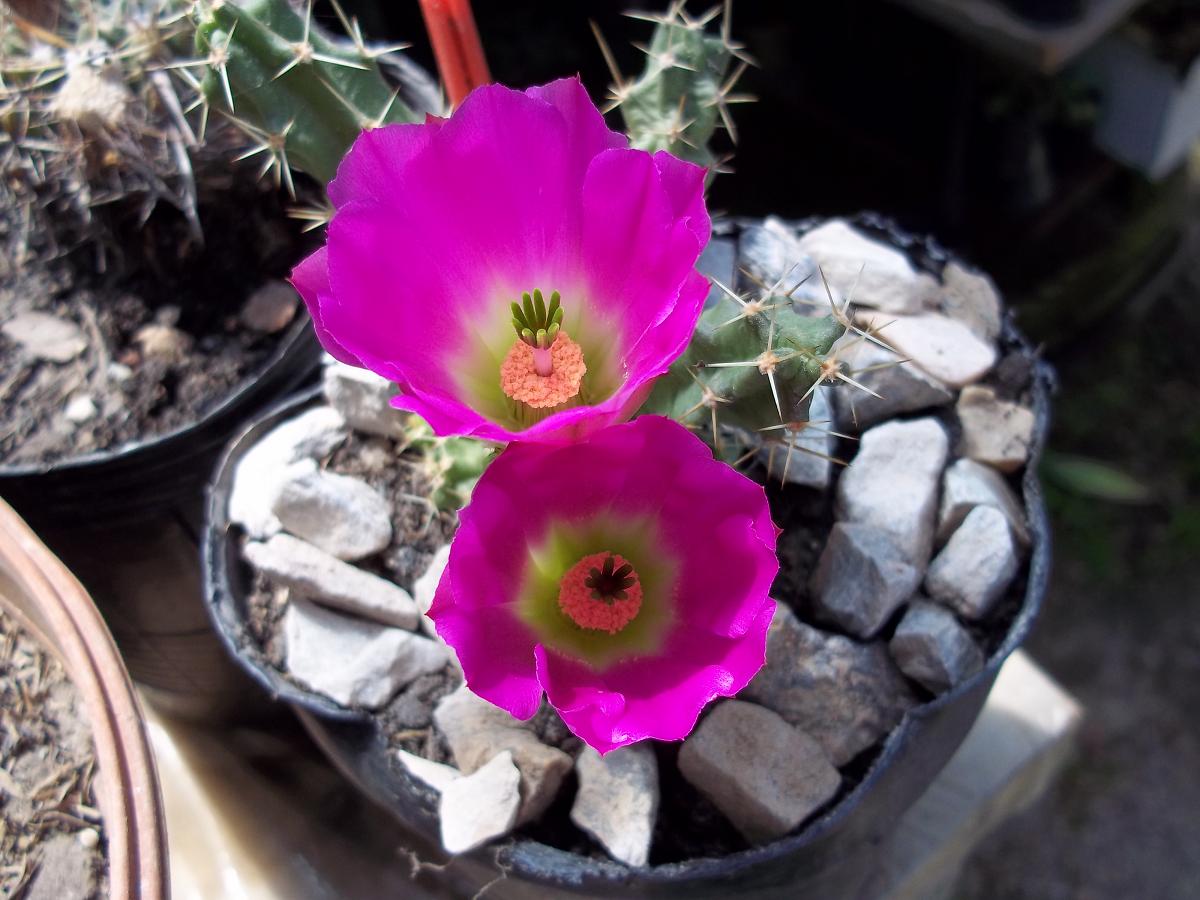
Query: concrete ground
[[1121, 626]]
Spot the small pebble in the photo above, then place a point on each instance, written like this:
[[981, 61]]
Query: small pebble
[[162, 342], [80, 409], [119, 373], [269, 309]]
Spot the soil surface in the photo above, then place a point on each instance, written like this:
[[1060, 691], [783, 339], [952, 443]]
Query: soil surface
[[51, 835], [153, 337]]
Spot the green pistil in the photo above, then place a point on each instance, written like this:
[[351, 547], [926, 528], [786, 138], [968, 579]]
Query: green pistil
[[609, 586], [536, 324]]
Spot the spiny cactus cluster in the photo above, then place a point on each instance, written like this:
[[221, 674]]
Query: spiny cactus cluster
[[92, 116], [685, 90], [752, 375], [302, 94]]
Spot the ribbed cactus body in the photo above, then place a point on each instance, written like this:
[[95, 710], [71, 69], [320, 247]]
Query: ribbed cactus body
[[674, 105], [274, 64], [779, 342]]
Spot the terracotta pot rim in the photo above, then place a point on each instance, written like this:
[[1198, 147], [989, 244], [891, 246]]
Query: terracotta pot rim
[[39, 591]]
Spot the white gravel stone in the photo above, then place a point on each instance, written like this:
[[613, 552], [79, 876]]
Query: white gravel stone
[[845, 694], [482, 806], [901, 386], [343, 516], [943, 347], [426, 586], [314, 575], [270, 308], [617, 802], [933, 649], [353, 662], [764, 775], [994, 431], [434, 774], [364, 399], [976, 566], [812, 468], [476, 731], [46, 337], [971, 298], [771, 252], [861, 579], [281, 454], [886, 280], [119, 373], [892, 483], [80, 409], [968, 484]]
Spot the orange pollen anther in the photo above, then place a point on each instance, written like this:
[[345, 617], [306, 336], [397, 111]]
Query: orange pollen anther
[[601, 592], [521, 380]]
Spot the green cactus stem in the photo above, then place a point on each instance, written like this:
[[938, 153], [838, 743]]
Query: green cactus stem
[[685, 90], [753, 371], [303, 93]]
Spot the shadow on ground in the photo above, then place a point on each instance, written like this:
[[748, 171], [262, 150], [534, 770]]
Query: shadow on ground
[[1121, 628]]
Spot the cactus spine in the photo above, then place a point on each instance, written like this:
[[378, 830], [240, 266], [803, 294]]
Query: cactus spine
[[305, 95], [684, 92]]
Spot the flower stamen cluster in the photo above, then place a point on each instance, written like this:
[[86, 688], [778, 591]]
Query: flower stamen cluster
[[601, 592]]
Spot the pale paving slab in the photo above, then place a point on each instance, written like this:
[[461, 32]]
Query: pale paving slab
[[1014, 752]]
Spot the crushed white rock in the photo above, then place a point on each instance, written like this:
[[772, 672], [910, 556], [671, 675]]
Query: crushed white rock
[[879, 275], [315, 575], [285, 451], [976, 566], [617, 802], [343, 516], [764, 775], [892, 483], [482, 806], [943, 347], [353, 662], [994, 431]]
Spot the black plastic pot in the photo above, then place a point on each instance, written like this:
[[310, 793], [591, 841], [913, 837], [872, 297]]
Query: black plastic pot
[[833, 856], [127, 522]]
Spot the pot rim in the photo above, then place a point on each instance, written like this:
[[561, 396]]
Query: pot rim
[[46, 598]]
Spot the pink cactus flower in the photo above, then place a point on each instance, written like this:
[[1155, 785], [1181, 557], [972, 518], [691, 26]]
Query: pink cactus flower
[[516, 269], [626, 577]]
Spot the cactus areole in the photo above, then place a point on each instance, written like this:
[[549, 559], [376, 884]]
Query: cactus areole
[[516, 269]]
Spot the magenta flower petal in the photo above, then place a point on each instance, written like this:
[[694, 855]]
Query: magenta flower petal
[[700, 544], [438, 228], [660, 698], [311, 279]]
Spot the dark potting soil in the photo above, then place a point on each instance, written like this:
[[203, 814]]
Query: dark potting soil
[[52, 843], [155, 274]]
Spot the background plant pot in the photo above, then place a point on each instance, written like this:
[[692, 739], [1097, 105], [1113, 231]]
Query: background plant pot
[[126, 521], [831, 857], [44, 597]]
